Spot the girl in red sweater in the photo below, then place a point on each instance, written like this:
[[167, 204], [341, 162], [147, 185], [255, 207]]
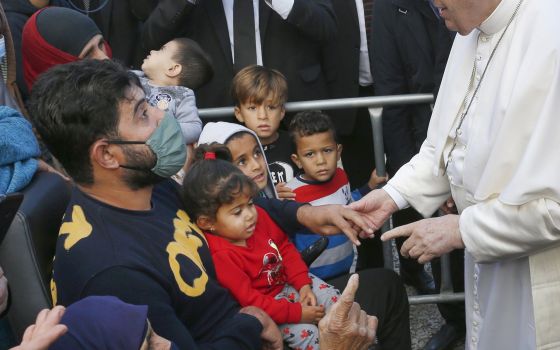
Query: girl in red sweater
[[253, 258]]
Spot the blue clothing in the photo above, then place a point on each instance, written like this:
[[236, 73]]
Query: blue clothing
[[156, 258], [18, 150], [339, 256]]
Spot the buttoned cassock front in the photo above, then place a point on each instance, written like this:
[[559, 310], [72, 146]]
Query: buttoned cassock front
[[504, 174]]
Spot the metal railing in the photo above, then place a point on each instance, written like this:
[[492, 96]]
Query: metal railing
[[375, 106]]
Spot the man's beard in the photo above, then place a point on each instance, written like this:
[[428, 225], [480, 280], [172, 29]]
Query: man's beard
[[143, 159]]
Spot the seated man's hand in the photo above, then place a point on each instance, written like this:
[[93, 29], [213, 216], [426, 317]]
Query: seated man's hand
[[346, 326], [271, 337], [46, 330], [332, 219]]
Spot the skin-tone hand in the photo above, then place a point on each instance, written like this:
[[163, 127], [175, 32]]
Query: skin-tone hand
[[284, 192], [306, 296], [375, 180], [377, 206], [312, 314], [332, 219], [3, 291], [346, 326], [449, 206], [428, 238], [45, 331], [270, 335], [43, 166]]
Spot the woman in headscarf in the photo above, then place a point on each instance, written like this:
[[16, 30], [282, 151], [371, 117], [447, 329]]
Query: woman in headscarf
[[56, 35]]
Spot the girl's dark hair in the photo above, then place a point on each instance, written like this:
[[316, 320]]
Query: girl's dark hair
[[210, 183]]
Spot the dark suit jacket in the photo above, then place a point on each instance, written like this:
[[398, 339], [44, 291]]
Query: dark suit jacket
[[120, 23], [410, 49], [341, 59], [292, 46]]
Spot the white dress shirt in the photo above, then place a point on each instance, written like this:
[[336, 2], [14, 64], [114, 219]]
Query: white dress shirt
[[282, 7]]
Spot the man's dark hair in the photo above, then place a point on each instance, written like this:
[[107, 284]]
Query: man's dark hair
[[195, 62], [309, 123], [75, 104]]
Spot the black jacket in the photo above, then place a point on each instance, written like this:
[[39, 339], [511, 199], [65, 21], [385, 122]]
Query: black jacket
[[292, 46], [341, 59], [410, 49]]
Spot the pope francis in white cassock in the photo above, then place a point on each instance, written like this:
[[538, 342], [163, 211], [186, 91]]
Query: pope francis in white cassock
[[494, 145]]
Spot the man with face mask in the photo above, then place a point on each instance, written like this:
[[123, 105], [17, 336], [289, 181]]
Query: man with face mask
[[125, 233]]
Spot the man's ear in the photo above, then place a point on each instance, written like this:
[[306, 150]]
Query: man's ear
[[174, 70], [205, 223], [296, 160], [283, 112], [238, 115], [105, 155]]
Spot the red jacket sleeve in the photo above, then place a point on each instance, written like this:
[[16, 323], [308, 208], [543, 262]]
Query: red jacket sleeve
[[230, 273], [297, 272]]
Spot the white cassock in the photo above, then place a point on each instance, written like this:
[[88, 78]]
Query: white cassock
[[504, 174]]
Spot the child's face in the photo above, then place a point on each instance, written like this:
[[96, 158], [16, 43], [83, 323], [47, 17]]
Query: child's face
[[264, 119], [248, 157], [317, 155], [158, 62], [236, 221]]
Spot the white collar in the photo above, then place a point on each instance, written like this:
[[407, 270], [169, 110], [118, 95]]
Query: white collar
[[499, 18]]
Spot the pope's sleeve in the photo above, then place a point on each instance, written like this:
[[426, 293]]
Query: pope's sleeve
[[417, 183], [232, 276], [492, 230]]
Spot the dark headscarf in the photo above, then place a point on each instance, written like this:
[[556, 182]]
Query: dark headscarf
[[54, 35], [103, 323]]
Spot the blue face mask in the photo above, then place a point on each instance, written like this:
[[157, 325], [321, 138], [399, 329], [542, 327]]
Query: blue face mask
[[168, 145]]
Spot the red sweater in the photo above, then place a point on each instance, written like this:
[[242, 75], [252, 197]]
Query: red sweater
[[257, 273]]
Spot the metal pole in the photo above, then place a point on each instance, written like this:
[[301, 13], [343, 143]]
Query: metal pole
[[375, 116], [207, 114]]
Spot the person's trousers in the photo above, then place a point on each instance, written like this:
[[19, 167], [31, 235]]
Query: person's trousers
[[382, 294]]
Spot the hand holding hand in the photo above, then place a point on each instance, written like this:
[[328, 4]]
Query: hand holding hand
[[428, 238], [312, 314], [346, 326], [284, 192], [270, 335], [331, 219], [377, 206], [306, 296]]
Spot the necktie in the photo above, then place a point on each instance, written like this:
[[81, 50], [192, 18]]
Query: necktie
[[368, 12], [244, 46]]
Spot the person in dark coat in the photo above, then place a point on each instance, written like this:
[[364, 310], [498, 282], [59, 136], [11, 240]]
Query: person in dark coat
[[410, 49], [290, 43]]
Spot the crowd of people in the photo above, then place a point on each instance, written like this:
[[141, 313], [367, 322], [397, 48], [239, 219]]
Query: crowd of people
[[181, 234]]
